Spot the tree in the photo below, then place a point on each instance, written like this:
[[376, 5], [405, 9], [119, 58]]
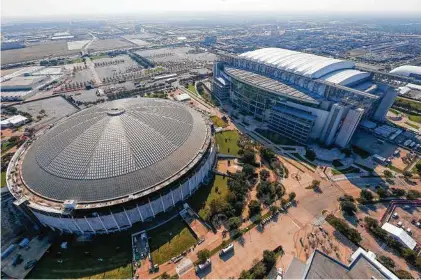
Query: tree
[[249, 157], [245, 274], [248, 170], [407, 174], [291, 196], [310, 154], [264, 174], [254, 208], [165, 275], [234, 223], [382, 193], [203, 255], [269, 258], [259, 271], [409, 255], [365, 196], [388, 174], [387, 262], [273, 209], [217, 205], [348, 207], [267, 154], [315, 184], [403, 274], [413, 194]]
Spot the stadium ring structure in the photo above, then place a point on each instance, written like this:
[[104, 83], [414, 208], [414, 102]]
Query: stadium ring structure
[[109, 166]]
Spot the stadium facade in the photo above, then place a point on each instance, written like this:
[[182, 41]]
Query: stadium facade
[[302, 96], [107, 167]]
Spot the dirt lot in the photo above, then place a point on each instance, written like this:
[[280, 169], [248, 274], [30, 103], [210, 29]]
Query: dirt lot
[[397, 161], [109, 44], [33, 52]]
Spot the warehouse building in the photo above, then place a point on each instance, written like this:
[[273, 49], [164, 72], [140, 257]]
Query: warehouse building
[[301, 96]]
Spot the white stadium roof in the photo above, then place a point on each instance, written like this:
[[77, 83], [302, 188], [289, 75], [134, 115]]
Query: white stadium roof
[[305, 64], [346, 77], [407, 70]]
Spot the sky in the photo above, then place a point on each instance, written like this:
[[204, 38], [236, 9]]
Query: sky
[[39, 8]]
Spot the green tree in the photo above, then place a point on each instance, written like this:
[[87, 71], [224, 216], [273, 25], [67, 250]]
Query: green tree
[[365, 196], [348, 207], [234, 223], [269, 258], [254, 208], [249, 157], [203, 255], [245, 274], [413, 194], [273, 209], [403, 274], [388, 174], [315, 184], [248, 170], [264, 174], [382, 193], [387, 262], [267, 154], [165, 275], [291, 196], [259, 271]]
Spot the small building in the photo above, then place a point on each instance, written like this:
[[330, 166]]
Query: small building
[[400, 235], [183, 97], [14, 121], [363, 265]]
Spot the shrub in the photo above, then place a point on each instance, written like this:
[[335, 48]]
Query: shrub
[[387, 262], [291, 196], [388, 174], [413, 194], [264, 174], [342, 226], [365, 196], [254, 208], [269, 258], [234, 223], [403, 274]]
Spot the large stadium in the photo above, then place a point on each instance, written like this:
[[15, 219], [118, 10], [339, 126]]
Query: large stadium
[[305, 97], [109, 166]]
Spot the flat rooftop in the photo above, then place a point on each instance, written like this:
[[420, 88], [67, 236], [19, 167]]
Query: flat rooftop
[[22, 81], [271, 85]]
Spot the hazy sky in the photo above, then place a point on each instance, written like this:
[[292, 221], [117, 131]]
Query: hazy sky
[[36, 8]]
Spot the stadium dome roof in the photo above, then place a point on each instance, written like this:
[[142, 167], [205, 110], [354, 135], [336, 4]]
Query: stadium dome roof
[[407, 70], [309, 65], [115, 149]]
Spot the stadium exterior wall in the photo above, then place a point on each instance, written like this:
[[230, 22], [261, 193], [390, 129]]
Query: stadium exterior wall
[[100, 223]]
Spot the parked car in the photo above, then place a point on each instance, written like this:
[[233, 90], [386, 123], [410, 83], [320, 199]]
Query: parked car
[[30, 264]]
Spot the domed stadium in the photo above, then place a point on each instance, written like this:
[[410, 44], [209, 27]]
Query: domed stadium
[[112, 165]]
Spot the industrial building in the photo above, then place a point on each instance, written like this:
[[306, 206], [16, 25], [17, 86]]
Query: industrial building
[[14, 121], [109, 166], [21, 87], [301, 96], [400, 235], [363, 265]]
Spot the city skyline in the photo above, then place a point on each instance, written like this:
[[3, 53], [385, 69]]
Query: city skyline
[[31, 9]]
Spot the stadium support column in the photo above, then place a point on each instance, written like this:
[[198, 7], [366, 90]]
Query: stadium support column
[[140, 213], [172, 197], [181, 189], [150, 205], [102, 223], [67, 226], [190, 182], [162, 203], [115, 220], [349, 126], [74, 221], [89, 224], [127, 216]]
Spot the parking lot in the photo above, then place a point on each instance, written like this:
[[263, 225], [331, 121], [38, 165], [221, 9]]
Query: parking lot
[[33, 251], [407, 215], [55, 109]]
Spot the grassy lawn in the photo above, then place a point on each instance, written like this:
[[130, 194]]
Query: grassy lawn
[[227, 141], [415, 118], [202, 198], [394, 168], [98, 56], [114, 249], [345, 171], [170, 240], [218, 121], [3, 179], [396, 112], [275, 138], [192, 89], [412, 125]]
